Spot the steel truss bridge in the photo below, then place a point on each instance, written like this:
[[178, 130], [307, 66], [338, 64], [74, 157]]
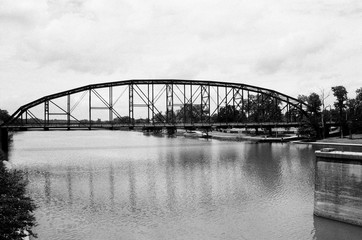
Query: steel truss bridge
[[165, 103]]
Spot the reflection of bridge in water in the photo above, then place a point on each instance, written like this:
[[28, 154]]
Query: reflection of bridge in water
[[205, 179], [160, 104]]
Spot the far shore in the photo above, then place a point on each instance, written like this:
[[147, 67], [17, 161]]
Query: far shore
[[354, 140], [235, 135]]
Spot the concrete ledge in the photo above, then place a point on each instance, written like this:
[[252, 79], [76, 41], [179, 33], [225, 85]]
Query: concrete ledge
[[324, 154], [336, 217]]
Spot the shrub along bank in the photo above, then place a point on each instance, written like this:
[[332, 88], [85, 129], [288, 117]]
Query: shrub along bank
[[16, 217]]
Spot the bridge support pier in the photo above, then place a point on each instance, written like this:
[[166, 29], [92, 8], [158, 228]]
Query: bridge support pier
[[4, 139], [338, 193]]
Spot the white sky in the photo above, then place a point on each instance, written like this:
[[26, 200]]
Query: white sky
[[292, 46]]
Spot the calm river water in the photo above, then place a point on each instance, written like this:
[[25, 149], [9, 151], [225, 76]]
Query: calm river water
[[126, 185]]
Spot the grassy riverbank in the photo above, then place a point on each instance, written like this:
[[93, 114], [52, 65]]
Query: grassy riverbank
[[354, 139], [347, 143]]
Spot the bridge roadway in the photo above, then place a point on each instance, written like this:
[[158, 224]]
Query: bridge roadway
[[151, 126]]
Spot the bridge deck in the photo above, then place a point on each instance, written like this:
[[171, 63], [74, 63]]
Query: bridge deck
[[155, 125]]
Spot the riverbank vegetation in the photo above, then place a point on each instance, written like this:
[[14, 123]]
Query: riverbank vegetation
[[16, 218], [346, 113], [4, 115]]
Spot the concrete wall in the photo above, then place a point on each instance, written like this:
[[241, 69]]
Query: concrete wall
[[338, 186]]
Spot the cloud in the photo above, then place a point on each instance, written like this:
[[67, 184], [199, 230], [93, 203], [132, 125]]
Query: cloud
[[84, 37], [90, 37], [20, 12], [294, 52], [275, 44]]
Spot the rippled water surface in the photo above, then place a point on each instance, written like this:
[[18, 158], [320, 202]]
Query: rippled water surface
[[126, 185]]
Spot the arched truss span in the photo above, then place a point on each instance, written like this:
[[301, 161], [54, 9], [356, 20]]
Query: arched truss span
[[165, 101]]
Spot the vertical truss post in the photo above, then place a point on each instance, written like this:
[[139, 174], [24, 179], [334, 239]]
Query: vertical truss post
[[191, 106], [46, 105], [26, 117], [226, 96], [110, 95], [185, 108], [148, 103], [68, 111], [248, 108], [262, 108], [166, 102], [238, 103], [242, 103], [205, 102], [169, 102], [226, 104], [202, 101], [276, 109], [258, 107], [234, 104], [90, 109], [153, 104], [208, 105], [217, 103], [288, 111], [46, 114], [130, 106]]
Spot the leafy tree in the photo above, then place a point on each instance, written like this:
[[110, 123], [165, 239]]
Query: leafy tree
[[185, 114], [351, 105], [264, 109], [252, 108], [16, 208], [307, 130], [311, 127], [294, 114], [359, 95], [358, 107], [302, 98], [159, 118], [354, 112], [170, 116], [191, 113], [124, 119], [314, 106], [4, 115], [314, 103], [230, 114], [340, 93]]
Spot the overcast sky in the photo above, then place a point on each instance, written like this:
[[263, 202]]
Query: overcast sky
[[292, 46]]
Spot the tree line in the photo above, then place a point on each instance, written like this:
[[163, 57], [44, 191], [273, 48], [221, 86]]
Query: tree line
[[255, 108], [345, 113]]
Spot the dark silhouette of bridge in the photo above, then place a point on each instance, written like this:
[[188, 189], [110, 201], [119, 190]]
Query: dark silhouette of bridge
[[155, 104]]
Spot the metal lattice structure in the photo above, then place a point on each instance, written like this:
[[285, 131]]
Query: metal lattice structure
[[160, 103]]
